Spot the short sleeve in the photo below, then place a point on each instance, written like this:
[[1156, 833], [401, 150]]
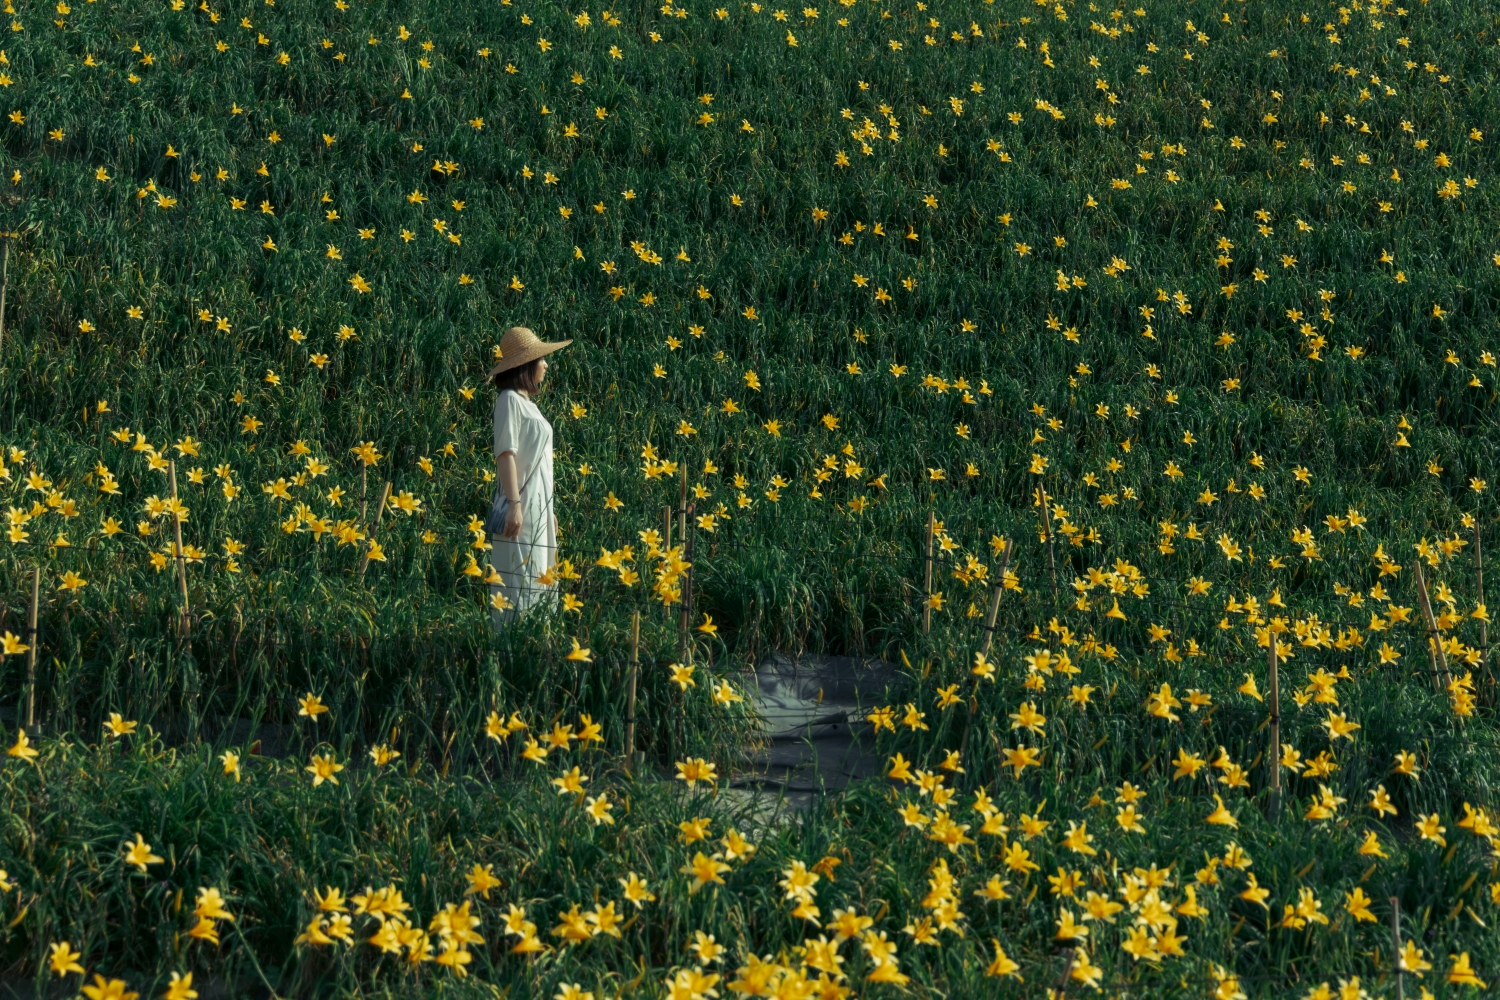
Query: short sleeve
[[508, 416]]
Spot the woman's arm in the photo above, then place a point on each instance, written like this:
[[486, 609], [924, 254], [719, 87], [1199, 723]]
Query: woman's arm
[[510, 482]]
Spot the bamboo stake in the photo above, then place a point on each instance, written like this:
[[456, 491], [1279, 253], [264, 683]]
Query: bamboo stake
[[182, 587], [666, 546], [1274, 757], [4, 283], [682, 605], [1435, 654], [36, 593], [1047, 525], [682, 509], [635, 669], [927, 576], [379, 510], [1484, 626], [989, 637], [690, 540], [1396, 945]]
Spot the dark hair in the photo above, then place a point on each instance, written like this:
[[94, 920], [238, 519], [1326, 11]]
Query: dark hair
[[521, 377]]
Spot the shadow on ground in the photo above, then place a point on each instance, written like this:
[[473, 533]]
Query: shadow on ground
[[814, 737]]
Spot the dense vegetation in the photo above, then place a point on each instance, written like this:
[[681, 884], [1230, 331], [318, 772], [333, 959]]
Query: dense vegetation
[[1176, 324]]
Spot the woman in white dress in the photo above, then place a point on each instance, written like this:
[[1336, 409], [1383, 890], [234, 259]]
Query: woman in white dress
[[525, 547]]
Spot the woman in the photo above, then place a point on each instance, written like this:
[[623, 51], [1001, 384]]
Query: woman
[[525, 546]]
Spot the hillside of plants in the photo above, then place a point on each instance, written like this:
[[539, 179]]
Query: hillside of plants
[[1123, 375]]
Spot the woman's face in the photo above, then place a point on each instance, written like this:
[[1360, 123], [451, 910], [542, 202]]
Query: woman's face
[[541, 371]]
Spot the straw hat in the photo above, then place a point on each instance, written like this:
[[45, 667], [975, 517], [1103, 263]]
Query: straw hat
[[520, 346]]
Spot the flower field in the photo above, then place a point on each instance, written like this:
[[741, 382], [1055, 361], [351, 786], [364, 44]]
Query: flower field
[[1125, 374]]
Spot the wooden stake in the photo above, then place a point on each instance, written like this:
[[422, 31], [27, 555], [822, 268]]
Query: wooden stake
[[1062, 986], [182, 587], [996, 591], [1396, 945], [635, 669], [1274, 757], [385, 495], [989, 638], [36, 593], [1047, 525], [1435, 655]]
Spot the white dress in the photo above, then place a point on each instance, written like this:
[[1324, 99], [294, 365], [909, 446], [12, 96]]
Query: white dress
[[521, 428]]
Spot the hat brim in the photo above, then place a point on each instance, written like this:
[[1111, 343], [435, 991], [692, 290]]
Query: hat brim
[[526, 357]]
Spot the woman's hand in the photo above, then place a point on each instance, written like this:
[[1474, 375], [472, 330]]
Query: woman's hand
[[513, 519], [510, 482]]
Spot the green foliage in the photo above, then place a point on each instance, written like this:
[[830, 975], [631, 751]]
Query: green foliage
[[1193, 305]]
